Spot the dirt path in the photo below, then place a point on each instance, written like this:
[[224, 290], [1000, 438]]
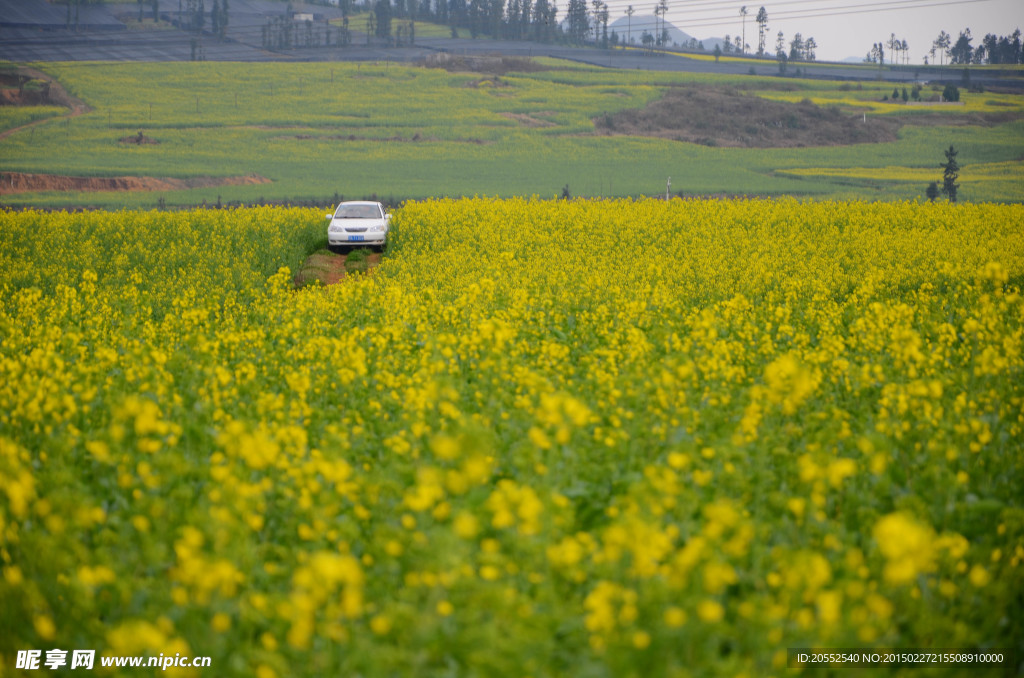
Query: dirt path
[[330, 268], [58, 96], [22, 182]]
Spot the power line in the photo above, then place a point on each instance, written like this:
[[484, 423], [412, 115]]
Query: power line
[[846, 10]]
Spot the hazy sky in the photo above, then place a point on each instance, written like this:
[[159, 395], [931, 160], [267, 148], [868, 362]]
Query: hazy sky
[[842, 28]]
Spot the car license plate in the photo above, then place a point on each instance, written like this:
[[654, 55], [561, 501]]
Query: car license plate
[[356, 237]]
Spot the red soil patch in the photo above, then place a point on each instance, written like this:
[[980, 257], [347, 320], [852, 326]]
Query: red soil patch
[[20, 182], [331, 269]]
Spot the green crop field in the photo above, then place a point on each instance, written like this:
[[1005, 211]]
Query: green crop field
[[315, 130]]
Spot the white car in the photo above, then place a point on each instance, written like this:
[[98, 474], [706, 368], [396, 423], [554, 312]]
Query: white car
[[358, 224]]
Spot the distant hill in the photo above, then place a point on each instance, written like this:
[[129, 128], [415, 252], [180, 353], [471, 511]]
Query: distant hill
[[649, 23]]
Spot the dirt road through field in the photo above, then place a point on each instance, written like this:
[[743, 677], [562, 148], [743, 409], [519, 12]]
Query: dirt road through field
[[58, 96], [331, 268]]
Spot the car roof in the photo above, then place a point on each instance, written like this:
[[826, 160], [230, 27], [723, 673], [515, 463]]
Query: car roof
[[358, 202]]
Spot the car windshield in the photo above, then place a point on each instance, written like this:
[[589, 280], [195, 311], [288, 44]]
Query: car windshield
[[357, 212]]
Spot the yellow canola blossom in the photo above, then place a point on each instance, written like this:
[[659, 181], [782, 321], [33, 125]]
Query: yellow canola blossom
[[907, 545], [612, 436]]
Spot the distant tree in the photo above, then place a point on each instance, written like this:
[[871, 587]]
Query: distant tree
[[382, 18], [475, 19], [717, 52], [579, 23], [780, 45], [762, 27], [932, 191], [223, 28], [979, 56], [905, 95], [544, 20], [810, 45], [726, 45], [601, 16], [743, 40], [566, 195], [941, 45], [950, 173], [515, 9], [495, 16], [215, 17], [663, 33], [950, 93], [458, 13], [525, 14], [196, 13], [796, 48], [659, 22], [647, 40], [1001, 50], [961, 52], [895, 93]]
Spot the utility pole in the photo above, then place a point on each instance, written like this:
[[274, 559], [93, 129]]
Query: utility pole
[[629, 24], [668, 187]]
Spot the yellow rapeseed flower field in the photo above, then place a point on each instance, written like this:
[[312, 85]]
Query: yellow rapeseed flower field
[[542, 438]]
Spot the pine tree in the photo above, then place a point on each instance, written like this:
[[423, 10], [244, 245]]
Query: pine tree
[[762, 24], [950, 172], [579, 22], [223, 28]]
